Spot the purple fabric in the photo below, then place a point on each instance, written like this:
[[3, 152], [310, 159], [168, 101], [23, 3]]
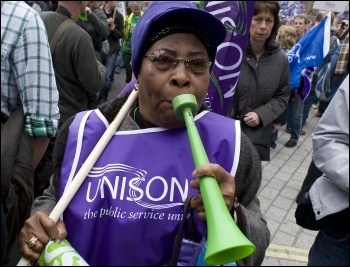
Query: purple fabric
[[128, 209], [307, 76], [189, 252], [236, 16]]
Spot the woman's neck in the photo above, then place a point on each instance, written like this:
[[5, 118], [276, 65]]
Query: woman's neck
[[258, 48]]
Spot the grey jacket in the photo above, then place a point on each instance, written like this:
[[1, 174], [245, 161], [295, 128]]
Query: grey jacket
[[248, 180], [96, 26], [263, 87], [330, 193]]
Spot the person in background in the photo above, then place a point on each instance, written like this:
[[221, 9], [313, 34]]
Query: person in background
[[312, 100], [286, 37], [96, 26], [343, 28], [119, 63], [40, 6], [343, 55], [116, 22], [260, 98], [330, 193], [300, 22], [130, 23], [295, 104], [165, 67], [27, 80], [54, 5]]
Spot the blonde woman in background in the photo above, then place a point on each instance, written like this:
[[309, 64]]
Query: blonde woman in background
[[286, 37]]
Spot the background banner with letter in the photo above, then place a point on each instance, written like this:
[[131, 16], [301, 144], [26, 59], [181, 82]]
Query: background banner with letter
[[236, 16]]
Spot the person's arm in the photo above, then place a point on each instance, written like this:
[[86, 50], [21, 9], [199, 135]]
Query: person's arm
[[331, 139], [39, 146], [118, 31], [98, 20], [49, 199], [36, 84], [248, 179], [39, 222], [35, 80]]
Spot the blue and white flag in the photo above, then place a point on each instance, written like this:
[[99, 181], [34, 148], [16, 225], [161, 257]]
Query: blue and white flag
[[309, 51]]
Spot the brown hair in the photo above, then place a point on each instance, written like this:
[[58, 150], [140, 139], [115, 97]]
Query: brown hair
[[93, 5], [272, 6], [302, 16], [321, 14]]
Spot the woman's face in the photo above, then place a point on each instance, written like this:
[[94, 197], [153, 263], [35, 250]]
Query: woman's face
[[158, 86], [261, 26]]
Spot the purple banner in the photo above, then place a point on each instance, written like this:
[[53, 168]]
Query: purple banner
[[236, 16], [287, 12]]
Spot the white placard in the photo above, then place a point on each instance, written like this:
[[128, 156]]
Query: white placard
[[122, 8], [338, 6]]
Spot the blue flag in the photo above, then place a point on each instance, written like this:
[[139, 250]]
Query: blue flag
[[309, 51]]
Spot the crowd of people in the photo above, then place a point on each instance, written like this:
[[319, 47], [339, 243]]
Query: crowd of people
[[66, 110]]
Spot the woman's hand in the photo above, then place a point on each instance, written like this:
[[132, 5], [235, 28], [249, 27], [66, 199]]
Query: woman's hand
[[275, 127], [226, 183], [45, 229], [87, 10], [252, 119]]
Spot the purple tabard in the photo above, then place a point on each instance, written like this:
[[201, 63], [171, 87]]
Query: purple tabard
[[128, 209]]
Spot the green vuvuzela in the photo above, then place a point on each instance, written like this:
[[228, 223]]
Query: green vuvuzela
[[60, 254]]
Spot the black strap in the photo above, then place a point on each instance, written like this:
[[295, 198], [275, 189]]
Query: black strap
[[58, 33], [240, 223], [179, 236], [3, 118]]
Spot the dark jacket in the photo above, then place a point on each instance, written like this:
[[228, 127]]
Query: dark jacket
[[96, 26], [43, 6], [117, 33], [263, 87]]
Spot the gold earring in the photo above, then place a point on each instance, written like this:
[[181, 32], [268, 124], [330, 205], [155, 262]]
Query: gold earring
[[136, 86]]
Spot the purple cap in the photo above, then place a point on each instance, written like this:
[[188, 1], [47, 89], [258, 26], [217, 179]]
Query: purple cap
[[173, 12]]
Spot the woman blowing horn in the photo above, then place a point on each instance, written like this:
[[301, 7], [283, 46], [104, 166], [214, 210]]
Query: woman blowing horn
[[127, 211]]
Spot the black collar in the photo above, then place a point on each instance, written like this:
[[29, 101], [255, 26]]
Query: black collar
[[143, 124], [65, 12], [136, 115]]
